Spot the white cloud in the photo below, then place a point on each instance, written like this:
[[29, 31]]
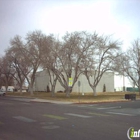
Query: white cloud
[[103, 16], [97, 16]]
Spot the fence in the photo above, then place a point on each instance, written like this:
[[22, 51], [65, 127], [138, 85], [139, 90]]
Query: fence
[[131, 89]]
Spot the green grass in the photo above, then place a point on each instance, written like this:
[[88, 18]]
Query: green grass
[[76, 97]]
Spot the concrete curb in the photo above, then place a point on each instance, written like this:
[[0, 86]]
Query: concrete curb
[[103, 102]]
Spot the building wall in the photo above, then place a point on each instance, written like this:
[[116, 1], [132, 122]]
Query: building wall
[[107, 79], [41, 81], [58, 87]]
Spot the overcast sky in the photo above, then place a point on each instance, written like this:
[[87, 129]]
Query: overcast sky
[[120, 18]]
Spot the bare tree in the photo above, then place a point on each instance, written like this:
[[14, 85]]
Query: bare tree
[[130, 63], [1, 81], [105, 52], [17, 60], [49, 60], [33, 55], [6, 73], [53, 79], [26, 56], [76, 53], [69, 57]]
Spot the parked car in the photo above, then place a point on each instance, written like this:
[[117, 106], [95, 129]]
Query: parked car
[[2, 93]]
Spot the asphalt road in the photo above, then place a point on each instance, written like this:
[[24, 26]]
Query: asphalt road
[[21, 119]]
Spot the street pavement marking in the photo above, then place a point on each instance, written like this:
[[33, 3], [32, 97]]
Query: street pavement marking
[[3, 103], [54, 117], [26, 103], [1, 123], [24, 119], [109, 107], [51, 127], [78, 115], [95, 105], [97, 114], [21, 99], [117, 113], [46, 123], [82, 106]]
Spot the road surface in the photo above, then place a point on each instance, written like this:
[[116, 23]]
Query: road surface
[[21, 119]]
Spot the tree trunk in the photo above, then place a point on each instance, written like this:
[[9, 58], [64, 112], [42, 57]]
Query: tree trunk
[[31, 89], [53, 90], [53, 85], [139, 85], [94, 91], [68, 91], [20, 89], [6, 86]]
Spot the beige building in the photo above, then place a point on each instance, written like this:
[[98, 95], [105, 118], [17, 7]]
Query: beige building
[[42, 81]]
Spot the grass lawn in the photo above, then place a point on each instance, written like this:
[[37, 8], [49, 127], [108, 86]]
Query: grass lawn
[[78, 98]]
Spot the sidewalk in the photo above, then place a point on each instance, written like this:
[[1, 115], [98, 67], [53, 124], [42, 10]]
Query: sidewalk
[[49, 101], [32, 99]]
